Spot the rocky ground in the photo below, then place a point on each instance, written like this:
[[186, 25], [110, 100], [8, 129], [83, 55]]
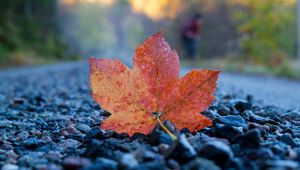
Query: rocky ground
[[48, 120]]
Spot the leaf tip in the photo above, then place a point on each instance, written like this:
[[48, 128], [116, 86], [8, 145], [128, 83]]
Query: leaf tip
[[92, 64], [217, 71]]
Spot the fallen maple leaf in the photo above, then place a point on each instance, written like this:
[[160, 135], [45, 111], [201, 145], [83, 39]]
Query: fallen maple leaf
[[153, 85]]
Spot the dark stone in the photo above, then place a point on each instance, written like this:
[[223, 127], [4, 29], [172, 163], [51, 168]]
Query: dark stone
[[11, 156], [185, 131], [201, 164], [83, 128], [172, 164], [22, 136], [158, 163], [181, 150], [3, 137], [103, 164], [249, 98], [50, 146], [293, 115], [163, 148], [94, 132], [216, 151], [242, 106], [7, 146], [287, 139], [49, 166], [97, 133], [272, 114], [158, 136], [32, 159], [69, 144], [128, 161], [246, 114], [33, 143], [106, 148], [250, 139], [259, 154], [69, 130], [75, 163], [223, 111], [5, 124], [211, 114], [235, 163], [18, 100], [137, 136], [145, 155], [279, 148], [281, 164], [230, 133], [104, 113], [259, 127], [297, 151], [261, 120], [250, 165], [53, 156], [2, 158], [170, 126], [130, 146], [77, 137], [231, 120], [38, 100], [122, 135]]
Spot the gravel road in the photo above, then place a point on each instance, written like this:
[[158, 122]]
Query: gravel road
[[48, 120], [267, 90]]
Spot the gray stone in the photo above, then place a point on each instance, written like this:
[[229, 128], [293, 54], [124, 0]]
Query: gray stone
[[75, 162], [232, 120], [217, 151], [251, 139], [181, 150], [83, 128], [242, 106], [9, 167], [282, 164], [103, 164], [287, 139], [128, 161], [69, 144], [292, 115], [201, 164]]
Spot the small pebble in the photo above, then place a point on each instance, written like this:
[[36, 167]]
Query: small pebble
[[251, 139], [128, 161], [217, 151], [10, 167]]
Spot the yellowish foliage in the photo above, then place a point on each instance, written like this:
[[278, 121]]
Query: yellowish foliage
[[156, 9]]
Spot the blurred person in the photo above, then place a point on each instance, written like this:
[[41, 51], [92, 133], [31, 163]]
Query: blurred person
[[190, 34]]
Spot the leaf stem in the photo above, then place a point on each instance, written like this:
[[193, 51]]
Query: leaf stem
[[166, 129]]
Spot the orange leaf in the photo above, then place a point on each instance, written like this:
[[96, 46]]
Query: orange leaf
[[131, 95], [194, 94]]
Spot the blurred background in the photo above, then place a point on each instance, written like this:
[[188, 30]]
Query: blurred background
[[252, 36]]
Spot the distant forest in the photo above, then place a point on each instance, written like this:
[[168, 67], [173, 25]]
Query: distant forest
[[262, 32], [29, 33]]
